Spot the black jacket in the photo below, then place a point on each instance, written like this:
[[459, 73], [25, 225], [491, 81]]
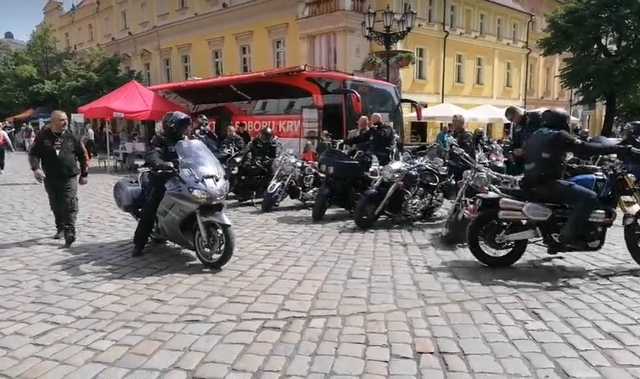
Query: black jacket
[[246, 137], [234, 141], [162, 150], [379, 140], [261, 150], [62, 155], [545, 153], [531, 122]]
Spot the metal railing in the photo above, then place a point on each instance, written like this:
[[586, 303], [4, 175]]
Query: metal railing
[[321, 7]]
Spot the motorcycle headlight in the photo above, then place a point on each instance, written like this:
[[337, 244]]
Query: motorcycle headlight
[[199, 194], [481, 181], [393, 171]]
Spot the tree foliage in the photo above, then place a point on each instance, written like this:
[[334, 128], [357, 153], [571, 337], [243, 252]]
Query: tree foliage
[[602, 38], [43, 75]]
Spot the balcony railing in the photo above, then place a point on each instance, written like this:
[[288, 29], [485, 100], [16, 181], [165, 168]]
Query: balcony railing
[[321, 7]]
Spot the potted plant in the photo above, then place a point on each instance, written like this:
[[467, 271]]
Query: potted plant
[[371, 63], [403, 59]]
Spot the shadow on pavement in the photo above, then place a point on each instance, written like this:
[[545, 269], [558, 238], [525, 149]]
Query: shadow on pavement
[[112, 260], [307, 220], [30, 242], [538, 273], [19, 184]]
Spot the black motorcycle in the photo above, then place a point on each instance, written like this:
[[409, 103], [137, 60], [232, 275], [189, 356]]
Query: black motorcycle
[[508, 221], [346, 178], [478, 178], [410, 189], [249, 176], [292, 177]]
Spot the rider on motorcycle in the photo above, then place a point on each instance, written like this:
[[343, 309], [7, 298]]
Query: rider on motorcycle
[[161, 158], [232, 140], [544, 168], [265, 146]]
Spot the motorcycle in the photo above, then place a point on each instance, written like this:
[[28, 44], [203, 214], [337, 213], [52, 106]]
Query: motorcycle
[[292, 177], [492, 156], [249, 176], [411, 189], [477, 179], [346, 178], [506, 222], [191, 213]]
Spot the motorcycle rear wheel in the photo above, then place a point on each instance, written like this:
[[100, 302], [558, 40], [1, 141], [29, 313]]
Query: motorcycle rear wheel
[[320, 205], [364, 214], [483, 230], [219, 250]]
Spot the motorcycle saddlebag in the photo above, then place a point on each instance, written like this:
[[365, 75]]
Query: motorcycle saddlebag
[[127, 194]]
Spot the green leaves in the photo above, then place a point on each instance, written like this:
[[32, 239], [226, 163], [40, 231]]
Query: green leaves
[[42, 75], [602, 38]]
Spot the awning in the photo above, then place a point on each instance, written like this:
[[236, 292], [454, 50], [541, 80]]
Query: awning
[[29, 113], [486, 114], [282, 83], [443, 112], [133, 101]]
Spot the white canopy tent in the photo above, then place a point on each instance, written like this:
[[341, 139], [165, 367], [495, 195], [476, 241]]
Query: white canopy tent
[[486, 114], [443, 112]]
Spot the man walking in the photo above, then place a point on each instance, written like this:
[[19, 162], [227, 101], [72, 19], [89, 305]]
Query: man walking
[[5, 143], [90, 141], [63, 157]]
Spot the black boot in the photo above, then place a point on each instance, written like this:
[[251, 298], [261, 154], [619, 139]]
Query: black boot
[[137, 251], [69, 238], [59, 234]]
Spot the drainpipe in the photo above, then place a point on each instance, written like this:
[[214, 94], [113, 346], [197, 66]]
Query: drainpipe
[[444, 46], [526, 73]]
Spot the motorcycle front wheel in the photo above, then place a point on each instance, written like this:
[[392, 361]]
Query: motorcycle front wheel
[[364, 214], [455, 228], [270, 200], [483, 245], [218, 250], [321, 204], [632, 240]]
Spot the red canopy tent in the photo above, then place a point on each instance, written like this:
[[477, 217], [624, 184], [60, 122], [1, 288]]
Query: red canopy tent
[[134, 101]]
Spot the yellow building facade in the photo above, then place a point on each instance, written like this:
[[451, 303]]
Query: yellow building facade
[[485, 60]]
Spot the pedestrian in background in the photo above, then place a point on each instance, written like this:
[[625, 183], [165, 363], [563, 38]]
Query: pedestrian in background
[[28, 135], [90, 141], [63, 158], [5, 143]]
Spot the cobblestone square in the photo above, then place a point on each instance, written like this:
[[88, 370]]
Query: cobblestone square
[[298, 299]]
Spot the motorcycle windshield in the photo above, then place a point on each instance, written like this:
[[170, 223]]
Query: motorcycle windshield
[[196, 156]]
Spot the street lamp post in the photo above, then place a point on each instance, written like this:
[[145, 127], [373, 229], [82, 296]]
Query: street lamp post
[[395, 28]]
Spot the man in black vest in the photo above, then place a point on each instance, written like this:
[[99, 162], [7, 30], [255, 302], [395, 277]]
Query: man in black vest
[[63, 158]]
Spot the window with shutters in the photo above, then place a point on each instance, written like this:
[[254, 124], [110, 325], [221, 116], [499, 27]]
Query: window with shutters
[[479, 71], [245, 58], [218, 68], [459, 69], [420, 64]]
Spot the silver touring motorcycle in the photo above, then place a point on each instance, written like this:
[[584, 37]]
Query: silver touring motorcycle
[[191, 213]]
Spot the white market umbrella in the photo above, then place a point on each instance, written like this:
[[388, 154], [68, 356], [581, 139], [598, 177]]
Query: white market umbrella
[[486, 114], [443, 112]]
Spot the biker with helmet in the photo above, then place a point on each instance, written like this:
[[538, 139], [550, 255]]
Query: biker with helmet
[[544, 169], [162, 158], [265, 146]]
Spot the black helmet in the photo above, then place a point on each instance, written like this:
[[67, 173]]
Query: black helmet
[[632, 129], [266, 134], [556, 119], [175, 124]]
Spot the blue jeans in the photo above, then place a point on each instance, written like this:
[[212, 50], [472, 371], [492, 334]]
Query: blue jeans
[[582, 200]]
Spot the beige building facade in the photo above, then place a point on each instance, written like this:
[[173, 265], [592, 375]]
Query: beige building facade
[[487, 57]]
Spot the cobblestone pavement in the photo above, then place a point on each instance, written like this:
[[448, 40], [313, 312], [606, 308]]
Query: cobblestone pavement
[[298, 299]]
